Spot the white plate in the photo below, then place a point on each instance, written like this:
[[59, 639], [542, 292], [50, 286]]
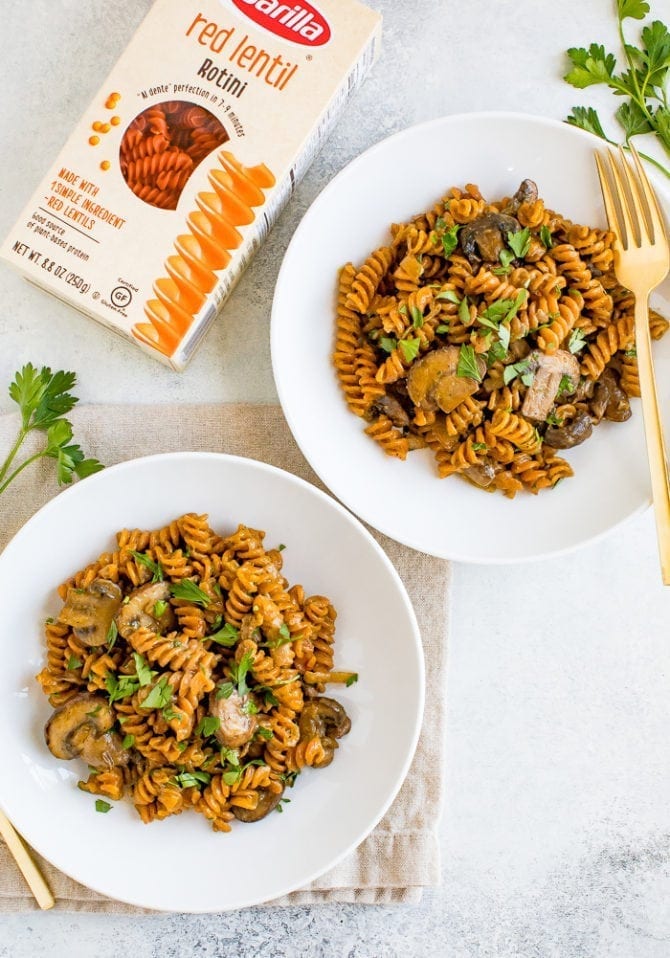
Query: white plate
[[180, 864], [391, 182]]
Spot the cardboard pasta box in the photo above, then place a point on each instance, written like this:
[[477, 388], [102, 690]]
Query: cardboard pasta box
[[177, 170]]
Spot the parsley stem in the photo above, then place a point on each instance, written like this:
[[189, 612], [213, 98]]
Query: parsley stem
[[34, 458], [23, 432]]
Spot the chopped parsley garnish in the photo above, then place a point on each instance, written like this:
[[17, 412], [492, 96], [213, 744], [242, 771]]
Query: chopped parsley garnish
[[409, 348], [566, 386], [519, 242], [228, 635], [160, 608], [554, 420], [577, 340], [192, 779], [250, 708], [467, 364], [450, 240], [189, 592], [73, 663], [417, 317], [450, 296], [159, 696], [95, 710], [506, 259], [238, 673], [464, 311], [121, 686], [545, 237], [207, 726], [496, 352], [264, 732], [224, 691], [281, 547], [442, 328], [479, 446], [388, 344], [169, 714], [154, 567], [280, 804], [144, 673], [631, 353], [128, 741], [352, 679], [283, 637], [102, 806], [112, 635], [521, 369], [288, 778], [503, 332], [230, 756]]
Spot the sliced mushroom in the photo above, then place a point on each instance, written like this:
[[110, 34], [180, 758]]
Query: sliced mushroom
[[82, 728], [433, 382], [90, 611], [326, 719], [527, 193], [267, 801], [571, 434], [486, 237], [140, 611], [549, 370], [390, 407], [481, 475], [609, 400], [236, 727]]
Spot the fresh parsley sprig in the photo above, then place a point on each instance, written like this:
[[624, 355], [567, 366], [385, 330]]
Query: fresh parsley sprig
[[644, 81], [44, 398]]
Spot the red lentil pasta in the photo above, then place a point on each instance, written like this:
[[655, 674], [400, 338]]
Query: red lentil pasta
[[162, 147], [492, 333], [186, 672]]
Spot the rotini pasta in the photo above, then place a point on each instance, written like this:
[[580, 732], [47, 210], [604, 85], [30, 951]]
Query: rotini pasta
[[493, 334], [194, 683]]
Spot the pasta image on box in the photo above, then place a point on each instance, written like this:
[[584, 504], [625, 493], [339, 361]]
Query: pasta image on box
[[183, 161]]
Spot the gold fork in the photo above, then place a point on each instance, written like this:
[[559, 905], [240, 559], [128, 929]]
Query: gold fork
[[31, 873], [641, 262]]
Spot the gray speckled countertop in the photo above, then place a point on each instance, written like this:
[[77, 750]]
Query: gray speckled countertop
[[556, 834]]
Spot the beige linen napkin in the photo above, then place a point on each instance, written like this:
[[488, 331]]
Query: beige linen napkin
[[401, 855]]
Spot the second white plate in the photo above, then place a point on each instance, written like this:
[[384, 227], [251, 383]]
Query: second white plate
[[391, 182]]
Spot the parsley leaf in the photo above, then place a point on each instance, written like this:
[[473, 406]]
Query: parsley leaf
[[128, 741], [160, 608], [450, 296], [635, 9], [142, 670], [207, 726], [112, 635], [409, 348], [450, 240], [352, 678], [506, 259], [224, 691], [159, 696], [467, 364], [464, 311], [153, 567], [264, 732], [520, 369], [187, 590], [192, 779], [102, 806], [577, 340], [590, 66], [121, 686], [73, 663], [519, 242], [239, 671], [545, 237], [388, 343], [417, 317], [442, 328], [566, 386], [228, 635]]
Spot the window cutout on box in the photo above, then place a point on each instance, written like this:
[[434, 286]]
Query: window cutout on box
[[162, 147]]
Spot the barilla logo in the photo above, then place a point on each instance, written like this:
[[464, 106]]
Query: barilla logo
[[299, 22]]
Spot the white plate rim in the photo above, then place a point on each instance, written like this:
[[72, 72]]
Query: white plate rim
[[15, 813], [335, 486]]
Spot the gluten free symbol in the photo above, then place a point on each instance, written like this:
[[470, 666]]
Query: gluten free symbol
[[121, 296]]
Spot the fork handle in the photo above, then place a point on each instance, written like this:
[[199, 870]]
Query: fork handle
[[31, 873], [658, 461]]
